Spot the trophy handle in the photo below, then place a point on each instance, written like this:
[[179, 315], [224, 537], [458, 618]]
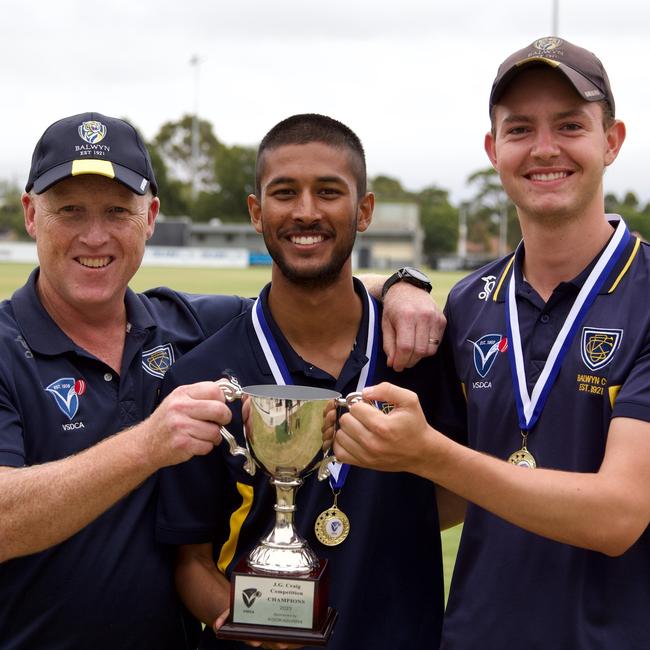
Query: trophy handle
[[232, 391], [323, 467]]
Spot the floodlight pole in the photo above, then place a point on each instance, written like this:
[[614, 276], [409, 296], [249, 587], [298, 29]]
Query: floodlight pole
[[556, 18], [194, 62]]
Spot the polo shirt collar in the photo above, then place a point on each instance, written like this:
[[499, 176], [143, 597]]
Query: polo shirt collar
[[300, 370], [618, 272], [44, 336]]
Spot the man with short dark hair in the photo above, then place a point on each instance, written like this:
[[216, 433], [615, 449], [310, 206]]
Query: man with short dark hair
[[554, 365], [82, 361], [314, 325]]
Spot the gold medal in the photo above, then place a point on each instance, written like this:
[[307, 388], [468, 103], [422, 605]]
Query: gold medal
[[523, 458], [332, 525]]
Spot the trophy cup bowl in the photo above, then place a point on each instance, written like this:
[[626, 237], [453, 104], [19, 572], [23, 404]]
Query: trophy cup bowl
[[279, 592]]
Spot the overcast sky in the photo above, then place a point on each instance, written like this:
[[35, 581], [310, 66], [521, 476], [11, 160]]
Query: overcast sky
[[411, 77]]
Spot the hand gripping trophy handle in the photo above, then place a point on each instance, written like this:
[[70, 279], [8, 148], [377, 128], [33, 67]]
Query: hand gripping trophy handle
[[232, 391], [345, 402]]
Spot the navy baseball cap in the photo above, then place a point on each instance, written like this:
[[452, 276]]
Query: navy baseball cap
[[91, 143], [582, 68]]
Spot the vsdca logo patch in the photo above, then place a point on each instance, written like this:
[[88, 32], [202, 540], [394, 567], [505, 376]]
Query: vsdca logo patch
[[486, 350], [66, 392], [250, 595]]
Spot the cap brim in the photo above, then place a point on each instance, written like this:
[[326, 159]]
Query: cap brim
[[585, 88], [135, 182]]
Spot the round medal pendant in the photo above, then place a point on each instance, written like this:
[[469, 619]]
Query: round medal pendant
[[523, 458], [332, 527]]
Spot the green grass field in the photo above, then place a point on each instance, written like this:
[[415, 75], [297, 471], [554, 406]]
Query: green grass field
[[245, 282]]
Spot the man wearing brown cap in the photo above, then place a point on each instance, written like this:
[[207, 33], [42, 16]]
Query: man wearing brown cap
[[555, 369], [82, 361]]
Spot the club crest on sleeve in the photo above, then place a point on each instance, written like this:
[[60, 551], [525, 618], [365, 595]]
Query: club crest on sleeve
[[158, 360], [66, 392], [599, 345], [92, 131], [486, 350]]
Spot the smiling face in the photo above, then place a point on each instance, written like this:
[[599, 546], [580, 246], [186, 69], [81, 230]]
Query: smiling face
[[90, 233], [309, 212], [550, 147]]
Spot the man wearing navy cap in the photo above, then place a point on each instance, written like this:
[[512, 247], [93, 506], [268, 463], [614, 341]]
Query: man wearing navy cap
[[555, 368], [82, 363]]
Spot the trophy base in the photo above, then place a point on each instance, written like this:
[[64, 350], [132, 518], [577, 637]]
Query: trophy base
[[248, 632], [279, 607]]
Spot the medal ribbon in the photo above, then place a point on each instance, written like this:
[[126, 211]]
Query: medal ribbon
[[529, 408], [282, 376]]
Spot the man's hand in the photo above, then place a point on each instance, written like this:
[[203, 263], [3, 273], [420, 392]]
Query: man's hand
[[185, 424], [397, 441], [412, 325], [266, 645]]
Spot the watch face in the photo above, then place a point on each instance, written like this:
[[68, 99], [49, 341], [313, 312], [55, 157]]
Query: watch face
[[415, 273], [411, 276]]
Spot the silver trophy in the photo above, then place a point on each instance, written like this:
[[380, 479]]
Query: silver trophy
[[283, 430], [283, 436]]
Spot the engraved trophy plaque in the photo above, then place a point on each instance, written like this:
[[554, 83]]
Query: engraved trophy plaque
[[279, 591]]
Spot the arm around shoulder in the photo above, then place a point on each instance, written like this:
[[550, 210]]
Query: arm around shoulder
[[412, 324]]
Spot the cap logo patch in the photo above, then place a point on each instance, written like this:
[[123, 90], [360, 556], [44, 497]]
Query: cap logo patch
[[599, 346], [158, 360], [548, 44], [66, 392], [92, 131]]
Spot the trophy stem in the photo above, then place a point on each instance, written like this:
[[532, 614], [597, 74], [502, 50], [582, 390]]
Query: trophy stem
[[283, 550]]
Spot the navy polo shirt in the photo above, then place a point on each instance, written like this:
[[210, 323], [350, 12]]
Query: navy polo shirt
[[512, 588], [386, 577], [110, 585]]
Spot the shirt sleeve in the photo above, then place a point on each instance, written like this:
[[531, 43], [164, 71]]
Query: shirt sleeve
[[632, 400], [194, 497], [450, 415], [12, 446], [215, 311], [208, 312], [192, 505]]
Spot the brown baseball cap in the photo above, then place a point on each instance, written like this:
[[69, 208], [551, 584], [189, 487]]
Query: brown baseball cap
[[582, 68]]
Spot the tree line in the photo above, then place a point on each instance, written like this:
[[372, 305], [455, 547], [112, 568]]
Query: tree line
[[201, 177]]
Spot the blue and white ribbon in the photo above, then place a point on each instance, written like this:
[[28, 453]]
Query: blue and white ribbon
[[529, 407], [282, 376]]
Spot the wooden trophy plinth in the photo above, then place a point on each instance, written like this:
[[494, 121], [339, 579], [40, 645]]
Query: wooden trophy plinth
[[279, 607]]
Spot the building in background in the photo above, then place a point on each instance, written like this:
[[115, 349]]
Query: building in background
[[394, 238]]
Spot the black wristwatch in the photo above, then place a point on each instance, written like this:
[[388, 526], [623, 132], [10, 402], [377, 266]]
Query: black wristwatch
[[410, 275]]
